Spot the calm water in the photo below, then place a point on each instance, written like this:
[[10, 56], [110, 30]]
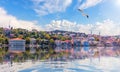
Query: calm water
[[82, 59], [105, 65]]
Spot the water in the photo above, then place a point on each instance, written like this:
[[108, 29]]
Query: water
[[107, 62]]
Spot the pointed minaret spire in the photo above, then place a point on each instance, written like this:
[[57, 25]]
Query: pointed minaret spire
[[91, 32], [99, 33], [9, 25]]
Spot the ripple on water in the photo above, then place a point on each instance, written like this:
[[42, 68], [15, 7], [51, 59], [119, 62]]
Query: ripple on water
[[110, 64]]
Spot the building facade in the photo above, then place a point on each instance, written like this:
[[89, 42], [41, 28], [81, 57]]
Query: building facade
[[16, 45]]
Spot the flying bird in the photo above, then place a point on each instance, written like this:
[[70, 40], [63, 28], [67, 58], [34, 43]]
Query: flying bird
[[83, 14], [80, 10]]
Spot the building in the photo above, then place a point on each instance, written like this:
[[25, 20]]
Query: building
[[32, 41], [32, 45], [16, 45]]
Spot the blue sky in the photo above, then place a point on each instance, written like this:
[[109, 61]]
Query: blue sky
[[24, 9], [49, 13]]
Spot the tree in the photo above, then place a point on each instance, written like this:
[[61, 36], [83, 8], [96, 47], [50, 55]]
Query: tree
[[27, 52], [38, 40], [1, 55], [20, 36], [63, 39], [6, 41], [51, 41], [27, 40], [47, 36], [2, 40]]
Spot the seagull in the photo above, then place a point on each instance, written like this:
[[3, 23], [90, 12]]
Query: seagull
[[83, 13], [80, 10]]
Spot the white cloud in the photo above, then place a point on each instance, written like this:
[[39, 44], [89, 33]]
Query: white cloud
[[107, 27], [89, 3], [6, 19], [44, 7], [61, 25]]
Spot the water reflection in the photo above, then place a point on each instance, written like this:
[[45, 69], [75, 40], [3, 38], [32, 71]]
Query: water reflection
[[105, 65], [60, 53], [67, 59], [86, 52]]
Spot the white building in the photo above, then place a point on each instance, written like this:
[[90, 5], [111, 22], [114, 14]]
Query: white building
[[32, 45], [16, 45]]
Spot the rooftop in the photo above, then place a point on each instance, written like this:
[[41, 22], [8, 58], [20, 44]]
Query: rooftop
[[16, 39]]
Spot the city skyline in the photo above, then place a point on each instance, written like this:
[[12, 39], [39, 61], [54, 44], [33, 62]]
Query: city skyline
[[62, 14]]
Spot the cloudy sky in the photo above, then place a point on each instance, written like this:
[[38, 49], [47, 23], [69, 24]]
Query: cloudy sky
[[104, 15]]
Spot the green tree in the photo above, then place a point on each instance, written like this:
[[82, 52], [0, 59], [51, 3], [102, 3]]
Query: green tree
[[6, 40], [27, 40], [47, 36], [38, 40], [20, 36], [51, 41], [2, 40], [63, 38]]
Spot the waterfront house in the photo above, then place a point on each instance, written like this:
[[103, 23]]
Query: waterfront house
[[77, 41], [86, 43], [68, 42], [108, 43], [16, 45], [32, 41], [63, 44], [92, 41], [32, 45], [58, 42]]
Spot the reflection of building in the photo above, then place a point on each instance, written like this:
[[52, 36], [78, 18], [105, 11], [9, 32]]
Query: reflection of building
[[16, 45]]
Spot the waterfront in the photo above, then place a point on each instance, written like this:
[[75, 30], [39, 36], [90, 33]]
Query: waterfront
[[59, 36], [72, 59]]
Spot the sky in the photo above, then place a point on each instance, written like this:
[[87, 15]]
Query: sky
[[48, 15]]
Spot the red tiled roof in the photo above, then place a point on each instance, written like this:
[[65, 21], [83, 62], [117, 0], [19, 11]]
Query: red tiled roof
[[16, 39]]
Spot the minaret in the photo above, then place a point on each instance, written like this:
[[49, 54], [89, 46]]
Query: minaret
[[91, 32], [10, 28], [9, 25], [99, 33]]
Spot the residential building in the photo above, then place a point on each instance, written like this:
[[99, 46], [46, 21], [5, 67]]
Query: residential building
[[16, 45]]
